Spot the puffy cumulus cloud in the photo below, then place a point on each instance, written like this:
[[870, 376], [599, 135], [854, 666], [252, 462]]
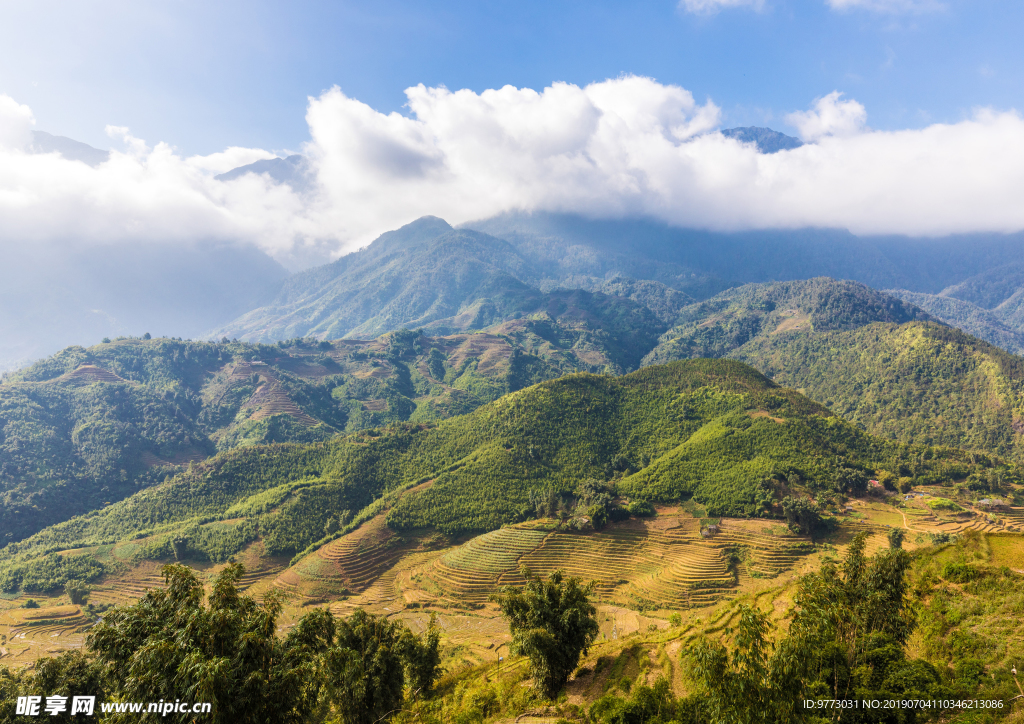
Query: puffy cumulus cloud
[[633, 146], [16, 123], [464, 155], [888, 6], [706, 7], [626, 146], [830, 116], [140, 194]]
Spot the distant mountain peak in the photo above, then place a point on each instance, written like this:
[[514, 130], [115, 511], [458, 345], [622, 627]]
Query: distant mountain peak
[[291, 170], [767, 140], [69, 148]]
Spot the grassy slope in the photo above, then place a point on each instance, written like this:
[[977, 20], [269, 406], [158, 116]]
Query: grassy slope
[[710, 429]]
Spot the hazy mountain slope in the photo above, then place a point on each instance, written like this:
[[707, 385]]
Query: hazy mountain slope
[[991, 288], [69, 148], [917, 382], [703, 263], [1011, 311], [717, 326], [982, 323], [427, 275], [53, 297], [715, 430], [422, 273], [664, 301]]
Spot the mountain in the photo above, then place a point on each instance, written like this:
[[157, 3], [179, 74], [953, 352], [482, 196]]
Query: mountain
[[989, 305], [767, 140], [916, 382], [714, 431], [718, 326], [989, 289], [69, 148], [55, 296], [981, 323], [443, 280], [292, 170], [877, 361], [703, 263]]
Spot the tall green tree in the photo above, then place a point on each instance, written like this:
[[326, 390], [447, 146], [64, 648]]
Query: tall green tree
[[552, 622], [422, 656], [171, 646], [759, 682], [365, 668]]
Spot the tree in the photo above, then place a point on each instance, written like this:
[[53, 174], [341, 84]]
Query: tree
[[758, 683], [552, 622], [365, 668], [422, 656], [171, 646], [77, 591], [801, 514]]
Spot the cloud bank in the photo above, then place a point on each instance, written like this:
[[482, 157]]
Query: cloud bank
[[623, 147]]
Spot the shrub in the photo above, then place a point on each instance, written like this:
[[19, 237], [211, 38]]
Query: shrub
[[959, 572]]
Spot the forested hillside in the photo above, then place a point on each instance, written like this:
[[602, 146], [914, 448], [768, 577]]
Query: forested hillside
[[714, 431], [87, 427], [717, 326], [982, 323], [875, 360], [917, 382]]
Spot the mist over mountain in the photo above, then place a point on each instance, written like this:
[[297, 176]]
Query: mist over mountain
[[69, 148], [292, 170], [55, 296]]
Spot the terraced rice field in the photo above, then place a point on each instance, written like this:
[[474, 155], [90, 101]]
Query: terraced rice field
[[350, 564], [31, 633], [659, 563]]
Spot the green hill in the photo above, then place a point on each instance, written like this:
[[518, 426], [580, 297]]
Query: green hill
[[875, 360], [982, 323], [917, 382], [88, 427], [727, 321], [714, 431]]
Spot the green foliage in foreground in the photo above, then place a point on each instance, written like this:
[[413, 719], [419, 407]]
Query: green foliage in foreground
[[715, 431], [552, 623], [225, 651]]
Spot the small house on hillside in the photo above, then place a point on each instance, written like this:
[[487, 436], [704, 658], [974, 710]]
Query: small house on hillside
[[992, 504]]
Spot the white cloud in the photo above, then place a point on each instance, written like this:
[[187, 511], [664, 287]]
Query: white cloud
[[16, 123], [627, 146], [888, 6], [829, 117], [706, 7]]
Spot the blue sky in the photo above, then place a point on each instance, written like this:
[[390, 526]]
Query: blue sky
[[203, 76]]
